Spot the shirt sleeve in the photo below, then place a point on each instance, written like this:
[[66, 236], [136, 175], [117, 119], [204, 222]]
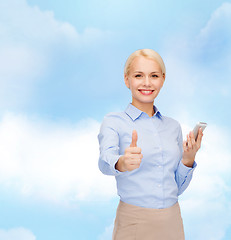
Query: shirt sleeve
[[108, 139], [183, 173]]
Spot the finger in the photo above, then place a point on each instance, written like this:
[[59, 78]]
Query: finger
[[200, 135], [192, 135], [189, 142], [134, 138], [135, 161], [185, 146], [133, 150], [192, 139], [134, 156]]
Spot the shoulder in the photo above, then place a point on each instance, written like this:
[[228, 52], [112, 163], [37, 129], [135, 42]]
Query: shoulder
[[114, 119], [114, 116], [170, 122]]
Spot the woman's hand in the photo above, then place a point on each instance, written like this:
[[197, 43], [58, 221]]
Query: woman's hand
[[191, 147], [132, 156]]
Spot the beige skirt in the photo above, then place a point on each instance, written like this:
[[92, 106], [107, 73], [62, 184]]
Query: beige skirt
[[139, 223]]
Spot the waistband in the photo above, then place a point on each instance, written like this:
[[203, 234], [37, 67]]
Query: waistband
[[147, 213]]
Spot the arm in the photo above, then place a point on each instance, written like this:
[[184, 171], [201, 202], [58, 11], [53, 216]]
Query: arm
[[183, 174], [109, 148], [110, 162]]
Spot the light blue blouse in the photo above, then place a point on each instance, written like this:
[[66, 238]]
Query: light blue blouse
[[161, 177]]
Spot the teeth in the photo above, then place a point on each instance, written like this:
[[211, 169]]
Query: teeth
[[146, 91]]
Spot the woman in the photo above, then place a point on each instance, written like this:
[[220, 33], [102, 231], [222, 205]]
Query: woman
[[145, 152]]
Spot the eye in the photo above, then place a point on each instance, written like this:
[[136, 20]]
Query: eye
[[154, 76], [138, 76]]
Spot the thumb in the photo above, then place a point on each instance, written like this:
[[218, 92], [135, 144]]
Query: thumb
[[134, 139]]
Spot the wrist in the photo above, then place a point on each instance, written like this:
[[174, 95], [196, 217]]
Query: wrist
[[188, 163], [119, 165]]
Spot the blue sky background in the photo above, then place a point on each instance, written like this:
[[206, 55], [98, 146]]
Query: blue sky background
[[61, 71]]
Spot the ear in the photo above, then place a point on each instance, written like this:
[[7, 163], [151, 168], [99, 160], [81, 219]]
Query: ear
[[163, 80], [126, 81]]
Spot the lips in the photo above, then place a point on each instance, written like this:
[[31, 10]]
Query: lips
[[146, 91]]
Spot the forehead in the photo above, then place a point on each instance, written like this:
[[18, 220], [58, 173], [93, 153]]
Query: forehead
[[144, 64]]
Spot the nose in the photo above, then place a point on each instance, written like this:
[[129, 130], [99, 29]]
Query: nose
[[147, 81]]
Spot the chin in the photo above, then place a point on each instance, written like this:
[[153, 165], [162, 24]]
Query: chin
[[145, 101]]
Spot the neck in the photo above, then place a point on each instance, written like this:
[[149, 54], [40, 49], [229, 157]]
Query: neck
[[145, 107]]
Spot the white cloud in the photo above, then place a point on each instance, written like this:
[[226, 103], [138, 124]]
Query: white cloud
[[27, 36], [54, 162], [217, 32], [214, 45], [16, 234], [200, 66], [32, 44], [23, 24]]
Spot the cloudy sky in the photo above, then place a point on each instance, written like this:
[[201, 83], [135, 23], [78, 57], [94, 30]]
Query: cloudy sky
[[61, 71]]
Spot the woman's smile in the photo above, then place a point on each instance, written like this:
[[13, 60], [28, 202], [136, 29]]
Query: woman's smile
[[145, 91]]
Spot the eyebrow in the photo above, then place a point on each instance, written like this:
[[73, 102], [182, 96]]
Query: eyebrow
[[142, 72]]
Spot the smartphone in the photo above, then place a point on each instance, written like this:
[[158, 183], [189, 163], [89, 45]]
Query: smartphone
[[196, 128]]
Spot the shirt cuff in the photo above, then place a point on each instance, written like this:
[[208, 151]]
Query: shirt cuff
[[113, 160], [184, 170]]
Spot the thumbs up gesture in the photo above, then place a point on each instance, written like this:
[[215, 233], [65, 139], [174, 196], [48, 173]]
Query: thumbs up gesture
[[132, 156]]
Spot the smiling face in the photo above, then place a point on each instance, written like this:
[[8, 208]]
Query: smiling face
[[145, 79]]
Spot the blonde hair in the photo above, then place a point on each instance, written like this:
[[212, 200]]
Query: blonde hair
[[147, 53]]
